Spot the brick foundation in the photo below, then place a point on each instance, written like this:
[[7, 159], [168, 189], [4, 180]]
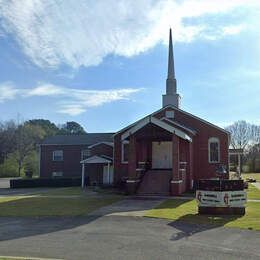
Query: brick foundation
[[221, 210], [175, 189], [131, 186]]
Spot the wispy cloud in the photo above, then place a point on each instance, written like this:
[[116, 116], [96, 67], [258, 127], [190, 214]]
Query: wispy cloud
[[69, 100], [83, 32], [7, 92]]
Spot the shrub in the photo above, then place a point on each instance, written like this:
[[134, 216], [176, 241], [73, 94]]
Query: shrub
[[31, 165], [9, 168], [44, 182]]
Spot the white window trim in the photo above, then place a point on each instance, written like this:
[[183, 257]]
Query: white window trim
[[123, 150], [54, 156], [213, 140], [82, 151]]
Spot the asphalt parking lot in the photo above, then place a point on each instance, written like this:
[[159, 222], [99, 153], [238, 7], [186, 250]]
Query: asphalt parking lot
[[123, 237]]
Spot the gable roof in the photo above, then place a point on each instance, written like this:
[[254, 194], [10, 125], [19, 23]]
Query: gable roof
[[177, 109], [173, 122], [152, 120], [100, 143], [97, 159], [85, 139]]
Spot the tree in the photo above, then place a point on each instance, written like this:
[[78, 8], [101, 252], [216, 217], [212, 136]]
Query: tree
[[49, 128], [72, 128], [252, 155], [243, 134], [7, 139], [27, 136]]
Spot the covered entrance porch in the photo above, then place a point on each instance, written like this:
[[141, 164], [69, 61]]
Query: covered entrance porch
[[160, 158], [97, 170]]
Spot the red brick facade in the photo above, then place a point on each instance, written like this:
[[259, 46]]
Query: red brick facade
[[189, 150], [190, 159], [70, 166]]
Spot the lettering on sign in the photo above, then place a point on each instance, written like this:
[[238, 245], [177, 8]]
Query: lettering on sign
[[221, 198]]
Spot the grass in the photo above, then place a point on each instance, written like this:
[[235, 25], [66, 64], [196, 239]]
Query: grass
[[33, 206], [20, 258], [77, 191], [69, 191], [253, 192], [186, 211], [251, 175]]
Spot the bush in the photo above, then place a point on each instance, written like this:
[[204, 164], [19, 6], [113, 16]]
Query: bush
[[9, 168], [42, 182], [31, 165]]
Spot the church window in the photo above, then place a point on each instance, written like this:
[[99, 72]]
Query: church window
[[125, 151], [214, 150]]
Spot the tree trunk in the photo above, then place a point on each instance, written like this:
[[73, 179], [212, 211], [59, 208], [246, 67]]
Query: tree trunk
[[253, 163], [19, 168]]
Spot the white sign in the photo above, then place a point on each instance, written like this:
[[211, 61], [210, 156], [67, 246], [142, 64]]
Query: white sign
[[221, 198]]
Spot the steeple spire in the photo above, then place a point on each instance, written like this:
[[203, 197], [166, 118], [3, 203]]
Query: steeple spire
[[171, 72], [171, 97]]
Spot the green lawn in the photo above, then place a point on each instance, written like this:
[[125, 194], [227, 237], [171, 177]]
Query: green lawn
[[32, 206], [186, 210], [251, 175], [77, 191], [253, 192], [68, 191], [20, 258]]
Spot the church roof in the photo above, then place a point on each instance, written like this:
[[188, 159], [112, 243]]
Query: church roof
[[84, 139], [177, 109]]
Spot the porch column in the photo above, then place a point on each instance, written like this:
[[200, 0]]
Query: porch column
[[190, 166], [132, 182], [83, 175], [176, 181], [132, 157], [108, 172]]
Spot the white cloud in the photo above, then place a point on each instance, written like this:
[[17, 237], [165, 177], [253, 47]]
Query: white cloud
[[44, 90], [7, 92], [233, 29], [69, 100], [83, 32]]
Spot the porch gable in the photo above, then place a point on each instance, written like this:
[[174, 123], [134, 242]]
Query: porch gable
[[162, 124]]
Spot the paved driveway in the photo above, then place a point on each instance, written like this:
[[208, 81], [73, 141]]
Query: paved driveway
[[116, 233], [135, 207]]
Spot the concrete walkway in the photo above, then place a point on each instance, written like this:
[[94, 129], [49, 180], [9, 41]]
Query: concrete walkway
[[128, 207]]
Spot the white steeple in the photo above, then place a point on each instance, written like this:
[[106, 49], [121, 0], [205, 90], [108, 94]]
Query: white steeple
[[171, 97]]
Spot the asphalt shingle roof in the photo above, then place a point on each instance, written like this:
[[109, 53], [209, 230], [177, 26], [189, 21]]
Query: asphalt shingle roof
[[86, 139]]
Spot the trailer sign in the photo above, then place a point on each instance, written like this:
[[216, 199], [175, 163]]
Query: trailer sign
[[221, 198]]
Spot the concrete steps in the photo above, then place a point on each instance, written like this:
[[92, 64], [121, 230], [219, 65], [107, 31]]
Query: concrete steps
[[155, 182]]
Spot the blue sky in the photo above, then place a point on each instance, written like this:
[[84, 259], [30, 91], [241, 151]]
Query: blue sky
[[104, 63]]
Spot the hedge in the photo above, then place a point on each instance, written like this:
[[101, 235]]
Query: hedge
[[43, 182]]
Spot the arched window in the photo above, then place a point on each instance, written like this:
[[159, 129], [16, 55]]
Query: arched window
[[214, 151]]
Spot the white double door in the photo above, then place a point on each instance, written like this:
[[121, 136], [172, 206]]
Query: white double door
[[108, 174], [162, 155]]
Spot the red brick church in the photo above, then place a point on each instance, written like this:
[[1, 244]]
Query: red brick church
[[162, 153]]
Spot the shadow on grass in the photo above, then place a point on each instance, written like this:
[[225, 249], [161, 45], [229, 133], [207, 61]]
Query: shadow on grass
[[186, 219], [31, 216], [191, 224]]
